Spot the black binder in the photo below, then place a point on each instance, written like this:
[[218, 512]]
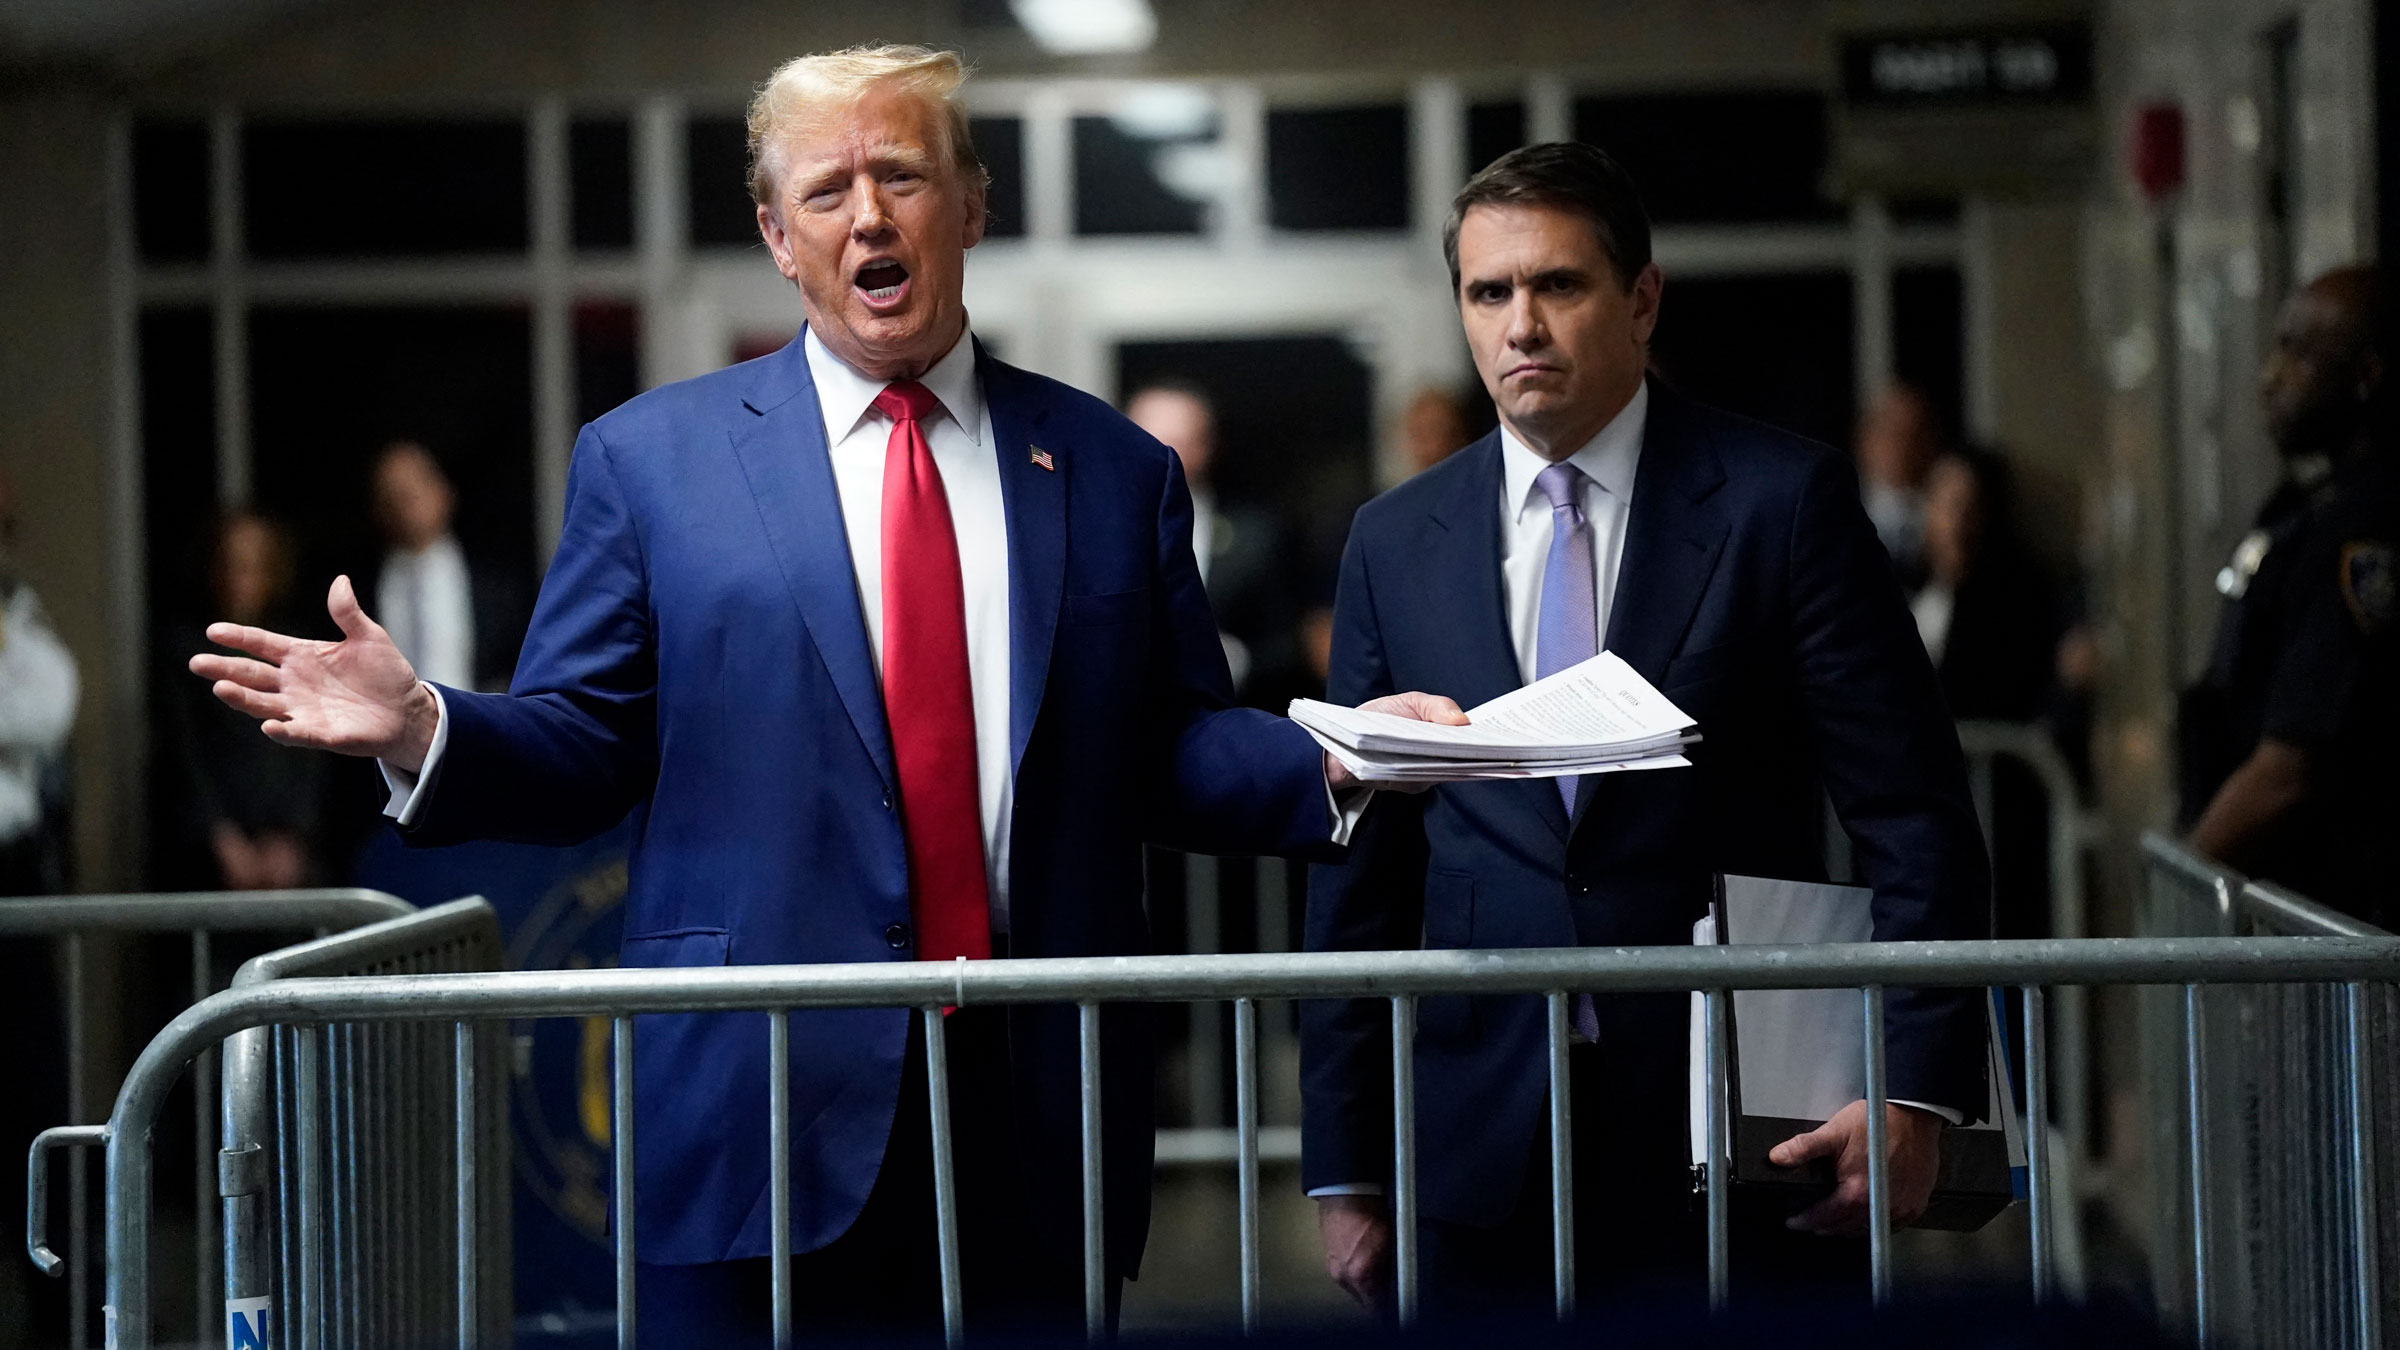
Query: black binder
[[1981, 1171]]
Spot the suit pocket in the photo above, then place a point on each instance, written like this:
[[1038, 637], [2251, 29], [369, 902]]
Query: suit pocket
[[1449, 926], [677, 948], [1701, 667], [1092, 611]]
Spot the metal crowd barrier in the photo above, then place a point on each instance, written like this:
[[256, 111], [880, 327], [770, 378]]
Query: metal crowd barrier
[[2291, 1225], [354, 1152], [201, 914], [2068, 832], [460, 1002]]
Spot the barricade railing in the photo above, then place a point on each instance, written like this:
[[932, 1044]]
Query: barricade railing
[[200, 915], [2291, 1241], [2067, 833], [1399, 978], [344, 1174]]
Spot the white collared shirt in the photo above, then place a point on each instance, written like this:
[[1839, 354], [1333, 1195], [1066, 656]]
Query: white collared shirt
[[960, 434], [1608, 461], [425, 600]]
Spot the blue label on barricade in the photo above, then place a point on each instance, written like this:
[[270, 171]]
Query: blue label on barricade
[[246, 1323]]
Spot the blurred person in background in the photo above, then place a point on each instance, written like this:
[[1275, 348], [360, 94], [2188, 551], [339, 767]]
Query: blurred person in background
[[38, 692], [1989, 618], [251, 808], [1986, 612], [457, 619], [897, 653], [1730, 565], [1239, 549], [2291, 739], [1897, 441], [1432, 428]]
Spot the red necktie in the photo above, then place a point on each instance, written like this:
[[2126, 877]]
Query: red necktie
[[926, 696]]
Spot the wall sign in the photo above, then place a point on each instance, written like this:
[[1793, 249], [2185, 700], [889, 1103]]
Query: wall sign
[[2047, 64]]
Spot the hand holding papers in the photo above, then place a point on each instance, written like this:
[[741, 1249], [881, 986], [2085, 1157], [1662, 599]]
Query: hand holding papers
[[1595, 717]]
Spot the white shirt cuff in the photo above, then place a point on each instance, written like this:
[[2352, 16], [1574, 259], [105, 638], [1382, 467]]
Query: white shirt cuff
[[408, 789], [1346, 806], [1954, 1117], [1348, 1188]]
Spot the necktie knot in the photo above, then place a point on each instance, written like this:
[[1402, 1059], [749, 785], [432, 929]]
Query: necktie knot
[[905, 401], [1560, 483]]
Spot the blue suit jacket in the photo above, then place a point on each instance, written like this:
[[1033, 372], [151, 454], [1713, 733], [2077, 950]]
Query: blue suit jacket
[[1753, 593], [698, 656]]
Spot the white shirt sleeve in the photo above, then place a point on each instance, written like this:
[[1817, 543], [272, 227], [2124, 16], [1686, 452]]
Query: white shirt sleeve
[[408, 789], [1346, 806], [1348, 1188]]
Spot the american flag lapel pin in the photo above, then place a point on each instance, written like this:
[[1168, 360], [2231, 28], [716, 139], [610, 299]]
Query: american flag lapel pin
[[1042, 458]]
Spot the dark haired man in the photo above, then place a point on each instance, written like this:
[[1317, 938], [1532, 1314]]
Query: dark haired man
[[1731, 565], [2290, 736]]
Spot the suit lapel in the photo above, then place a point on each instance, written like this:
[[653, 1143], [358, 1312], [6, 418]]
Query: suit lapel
[[780, 442], [1463, 586], [1672, 542], [1034, 493], [1672, 538]]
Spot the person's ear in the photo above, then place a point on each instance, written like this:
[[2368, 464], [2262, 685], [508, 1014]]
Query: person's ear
[[978, 203], [1648, 285], [770, 229]]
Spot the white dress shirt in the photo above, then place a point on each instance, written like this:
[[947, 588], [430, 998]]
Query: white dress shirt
[[960, 434], [425, 600], [38, 694], [1608, 461]]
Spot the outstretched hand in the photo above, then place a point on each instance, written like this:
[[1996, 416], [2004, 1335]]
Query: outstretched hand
[[1422, 707], [358, 696]]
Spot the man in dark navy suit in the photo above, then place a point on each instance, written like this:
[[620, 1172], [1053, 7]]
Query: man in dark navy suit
[[896, 653], [1731, 565]]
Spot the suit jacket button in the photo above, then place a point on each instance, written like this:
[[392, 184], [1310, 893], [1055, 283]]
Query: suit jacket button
[[887, 801], [897, 935]]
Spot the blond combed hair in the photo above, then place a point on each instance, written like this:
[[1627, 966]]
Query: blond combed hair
[[811, 86]]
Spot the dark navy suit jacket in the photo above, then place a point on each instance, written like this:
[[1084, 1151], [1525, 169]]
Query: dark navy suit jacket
[[1753, 593], [698, 657]]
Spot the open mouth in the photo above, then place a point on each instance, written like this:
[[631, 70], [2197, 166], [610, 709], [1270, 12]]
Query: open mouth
[[882, 282]]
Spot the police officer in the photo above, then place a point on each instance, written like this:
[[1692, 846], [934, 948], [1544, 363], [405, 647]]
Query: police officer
[[2291, 741]]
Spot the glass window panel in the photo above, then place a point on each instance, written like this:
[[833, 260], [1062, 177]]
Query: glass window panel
[[1001, 143], [717, 182], [332, 385], [1493, 129], [600, 169], [1775, 347], [170, 190], [1722, 157], [1154, 166], [1928, 339], [1338, 168], [327, 189]]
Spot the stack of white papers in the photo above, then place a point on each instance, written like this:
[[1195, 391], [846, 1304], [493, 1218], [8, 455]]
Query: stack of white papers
[[1596, 717]]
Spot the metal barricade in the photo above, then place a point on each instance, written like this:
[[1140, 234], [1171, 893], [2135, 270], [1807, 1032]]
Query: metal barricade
[[70, 919], [354, 1153], [457, 1003], [2068, 832], [2291, 1242]]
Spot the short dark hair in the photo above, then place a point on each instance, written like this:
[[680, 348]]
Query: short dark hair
[[1566, 176]]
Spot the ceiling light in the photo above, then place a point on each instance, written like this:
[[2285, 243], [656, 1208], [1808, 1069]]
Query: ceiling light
[[1086, 27]]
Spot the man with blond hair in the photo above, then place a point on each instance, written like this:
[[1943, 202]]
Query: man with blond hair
[[894, 652]]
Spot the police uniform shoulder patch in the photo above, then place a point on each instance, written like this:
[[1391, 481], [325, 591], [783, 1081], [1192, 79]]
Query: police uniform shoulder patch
[[2371, 583]]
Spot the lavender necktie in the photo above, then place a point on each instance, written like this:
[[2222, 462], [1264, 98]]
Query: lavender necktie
[[1569, 624], [1568, 628]]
